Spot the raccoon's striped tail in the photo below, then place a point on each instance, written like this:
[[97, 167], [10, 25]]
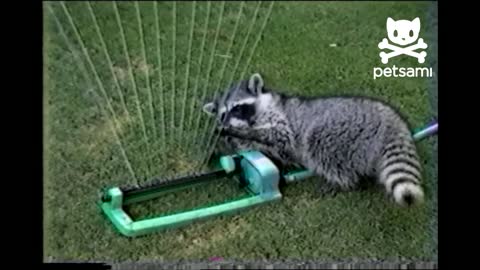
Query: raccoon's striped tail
[[400, 172]]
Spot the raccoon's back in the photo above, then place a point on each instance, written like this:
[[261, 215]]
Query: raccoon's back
[[352, 131], [355, 136]]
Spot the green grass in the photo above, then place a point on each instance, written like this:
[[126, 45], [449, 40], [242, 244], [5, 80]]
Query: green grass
[[295, 53]]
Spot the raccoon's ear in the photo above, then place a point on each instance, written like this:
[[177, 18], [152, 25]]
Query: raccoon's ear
[[209, 108], [255, 84]]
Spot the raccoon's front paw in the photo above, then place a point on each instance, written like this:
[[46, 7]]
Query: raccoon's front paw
[[229, 132], [218, 129], [223, 132]]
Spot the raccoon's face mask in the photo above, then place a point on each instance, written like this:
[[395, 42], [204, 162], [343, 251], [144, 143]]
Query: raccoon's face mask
[[238, 105]]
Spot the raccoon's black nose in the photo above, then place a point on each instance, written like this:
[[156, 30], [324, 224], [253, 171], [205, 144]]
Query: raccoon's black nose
[[222, 117]]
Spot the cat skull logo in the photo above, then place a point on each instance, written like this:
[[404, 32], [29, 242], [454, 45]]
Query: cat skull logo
[[403, 32]]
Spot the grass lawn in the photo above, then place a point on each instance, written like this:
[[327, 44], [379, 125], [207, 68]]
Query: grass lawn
[[151, 124]]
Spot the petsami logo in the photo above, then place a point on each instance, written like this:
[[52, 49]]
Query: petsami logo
[[403, 39]]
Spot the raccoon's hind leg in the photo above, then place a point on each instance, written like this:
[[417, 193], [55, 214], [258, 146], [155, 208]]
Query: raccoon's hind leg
[[326, 188], [399, 171], [336, 180]]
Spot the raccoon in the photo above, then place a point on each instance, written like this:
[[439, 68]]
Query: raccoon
[[344, 140]]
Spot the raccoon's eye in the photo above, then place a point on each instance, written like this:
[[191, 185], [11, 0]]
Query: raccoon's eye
[[411, 33], [395, 33], [237, 110]]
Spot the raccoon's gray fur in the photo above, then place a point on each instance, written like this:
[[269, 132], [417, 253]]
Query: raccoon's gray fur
[[342, 139]]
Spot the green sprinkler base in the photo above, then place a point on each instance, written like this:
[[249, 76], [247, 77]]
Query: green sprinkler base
[[260, 178]]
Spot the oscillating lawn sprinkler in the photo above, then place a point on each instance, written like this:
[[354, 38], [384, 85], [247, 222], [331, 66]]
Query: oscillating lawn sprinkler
[[255, 173]]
